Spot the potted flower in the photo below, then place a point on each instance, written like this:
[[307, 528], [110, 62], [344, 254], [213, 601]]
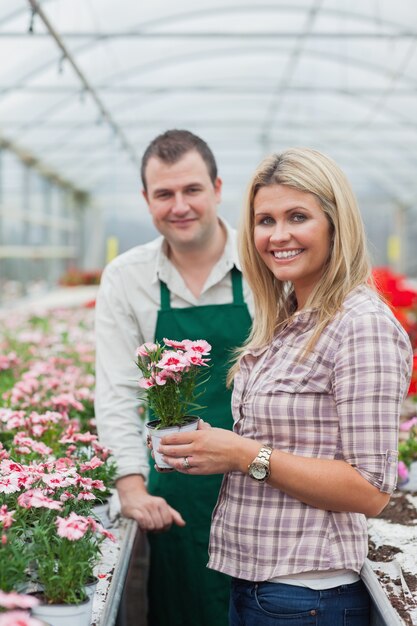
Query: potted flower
[[171, 381], [45, 539], [66, 550]]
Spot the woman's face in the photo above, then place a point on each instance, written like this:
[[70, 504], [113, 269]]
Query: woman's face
[[292, 236]]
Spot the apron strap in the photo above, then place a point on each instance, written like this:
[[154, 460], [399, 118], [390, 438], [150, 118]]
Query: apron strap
[[236, 287], [165, 296]]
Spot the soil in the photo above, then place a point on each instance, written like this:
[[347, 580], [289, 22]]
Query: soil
[[399, 510], [401, 606], [383, 553], [403, 612]]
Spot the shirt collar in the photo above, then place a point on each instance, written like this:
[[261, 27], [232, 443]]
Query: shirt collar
[[229, 258]]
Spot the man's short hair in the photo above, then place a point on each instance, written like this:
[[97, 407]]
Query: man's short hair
[[172, 145]]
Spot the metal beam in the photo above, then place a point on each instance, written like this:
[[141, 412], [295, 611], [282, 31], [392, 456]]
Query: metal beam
[[37, 252], [219, 88], [104, 112], [281, 34], [225, 122], [31, 160]]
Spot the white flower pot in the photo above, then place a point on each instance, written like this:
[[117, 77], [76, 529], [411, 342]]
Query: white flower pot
[[65, 614], [157, 433], [90, 588], [101, 511]]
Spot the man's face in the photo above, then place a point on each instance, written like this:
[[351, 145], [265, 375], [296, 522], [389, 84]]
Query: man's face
[[182, 200]]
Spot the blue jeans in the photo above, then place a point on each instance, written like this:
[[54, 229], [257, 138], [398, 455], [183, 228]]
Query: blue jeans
[[277, 604]]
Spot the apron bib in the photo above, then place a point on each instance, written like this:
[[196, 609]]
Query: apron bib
[[182, 590]]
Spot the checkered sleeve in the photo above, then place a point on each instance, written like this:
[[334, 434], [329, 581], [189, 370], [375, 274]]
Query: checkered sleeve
[[370, 379]]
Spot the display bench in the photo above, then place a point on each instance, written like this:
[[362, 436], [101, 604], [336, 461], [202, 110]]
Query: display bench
[[392, 563], [112, 574]]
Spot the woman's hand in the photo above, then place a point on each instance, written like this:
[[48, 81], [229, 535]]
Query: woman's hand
[[205, 451]]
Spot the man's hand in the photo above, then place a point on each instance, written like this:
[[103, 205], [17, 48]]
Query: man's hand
[[151, 512]]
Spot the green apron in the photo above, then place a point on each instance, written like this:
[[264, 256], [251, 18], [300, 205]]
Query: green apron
[[182, 590]]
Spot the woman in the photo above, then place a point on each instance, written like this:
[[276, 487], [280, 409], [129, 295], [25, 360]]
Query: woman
[[317, 394]]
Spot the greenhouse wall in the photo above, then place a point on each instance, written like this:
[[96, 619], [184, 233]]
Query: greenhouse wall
[[45, 228]]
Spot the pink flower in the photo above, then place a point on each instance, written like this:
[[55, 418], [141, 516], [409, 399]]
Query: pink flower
[[6, 517], [201, 346], [9, 484], [402, 471], [63, 463], [106, 533], [3, 453], [85, 437], [26, 445], [98, 485], [146, 383], [19, 618], [178, 345], [86, 495], [162, 377], [72, 527], [102, 451], [38, 430], [92, 464], [146, 348], [57, 480], [195, 358], [36, 498], [66, 400], [405, 426], [66, 496], [15, 600], [173, 361]]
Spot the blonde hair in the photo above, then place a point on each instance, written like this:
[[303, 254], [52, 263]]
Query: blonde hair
[[348, 264]]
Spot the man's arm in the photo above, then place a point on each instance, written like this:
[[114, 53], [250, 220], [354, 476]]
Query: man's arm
[[116, 405]]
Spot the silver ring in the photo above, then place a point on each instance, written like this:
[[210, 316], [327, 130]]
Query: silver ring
[[185, 463]]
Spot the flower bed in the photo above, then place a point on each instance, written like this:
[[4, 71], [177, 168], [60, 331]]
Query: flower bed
[[52, 468]]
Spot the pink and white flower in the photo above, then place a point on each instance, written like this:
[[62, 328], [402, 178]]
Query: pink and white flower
[[173, 361], [13, 600], [37, 499], [146, 348], [72, 527], [19, 618]]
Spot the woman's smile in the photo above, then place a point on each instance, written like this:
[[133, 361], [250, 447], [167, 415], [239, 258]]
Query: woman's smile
[[286, 255]]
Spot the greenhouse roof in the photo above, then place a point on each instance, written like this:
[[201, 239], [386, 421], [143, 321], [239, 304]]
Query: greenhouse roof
[[86, 84]]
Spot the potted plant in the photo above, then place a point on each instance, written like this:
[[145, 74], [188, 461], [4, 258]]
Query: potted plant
[[65, 551], [45, 539], [171, 381]]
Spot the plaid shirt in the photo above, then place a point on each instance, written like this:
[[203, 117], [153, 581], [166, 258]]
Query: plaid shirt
[[341, 402]]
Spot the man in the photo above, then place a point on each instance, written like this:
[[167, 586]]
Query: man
[[183, 285]]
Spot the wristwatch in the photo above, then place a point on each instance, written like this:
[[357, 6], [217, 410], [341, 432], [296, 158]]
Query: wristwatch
[[259, 468]]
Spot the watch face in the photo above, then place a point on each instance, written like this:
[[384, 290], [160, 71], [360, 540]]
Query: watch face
[[258, 471]]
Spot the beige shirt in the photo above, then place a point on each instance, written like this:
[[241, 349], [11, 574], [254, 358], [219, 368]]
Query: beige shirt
[[126, 313]]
